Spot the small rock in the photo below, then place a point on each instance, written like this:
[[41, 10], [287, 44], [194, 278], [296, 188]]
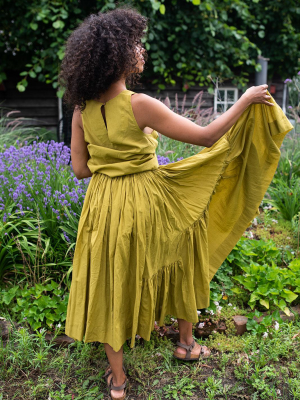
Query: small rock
[[62, 340], [205, 330], [240, 324], [221, 328], [5, 328], [172, 334]]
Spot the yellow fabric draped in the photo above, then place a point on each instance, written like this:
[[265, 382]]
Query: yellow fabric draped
[[150, 238]]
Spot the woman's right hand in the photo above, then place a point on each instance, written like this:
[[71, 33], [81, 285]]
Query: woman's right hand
[[257, 95]]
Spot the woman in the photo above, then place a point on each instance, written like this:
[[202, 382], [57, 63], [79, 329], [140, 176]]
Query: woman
[[144, 246]]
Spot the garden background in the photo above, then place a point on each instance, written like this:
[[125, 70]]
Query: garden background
[[252, 325]]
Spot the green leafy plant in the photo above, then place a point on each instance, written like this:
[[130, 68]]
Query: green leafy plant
[[266, 323], [270, 285], [39, 306], [245, 252], [180, 389]]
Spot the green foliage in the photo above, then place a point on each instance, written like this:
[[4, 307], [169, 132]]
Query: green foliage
[[18, 251], [276, 22], [230, 33], [263, 281], [266, 323], [29, 252], [245, 253], [271, 286], [285, 186], [180, 389], [258, 251], [285, 197], [39, 306]]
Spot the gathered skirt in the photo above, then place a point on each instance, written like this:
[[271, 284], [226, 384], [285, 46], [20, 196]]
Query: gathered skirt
[[148, 244]]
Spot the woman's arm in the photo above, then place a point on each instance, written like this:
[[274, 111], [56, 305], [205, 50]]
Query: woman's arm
[[153, 113], [79, 151]]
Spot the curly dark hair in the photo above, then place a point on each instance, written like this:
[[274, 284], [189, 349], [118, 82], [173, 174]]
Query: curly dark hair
[[99, 52]]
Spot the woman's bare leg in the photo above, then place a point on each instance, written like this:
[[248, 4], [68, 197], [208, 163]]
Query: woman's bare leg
[[186, 337], [116, 362]]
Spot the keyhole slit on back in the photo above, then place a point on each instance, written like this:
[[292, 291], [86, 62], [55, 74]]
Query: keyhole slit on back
[[103, 115]]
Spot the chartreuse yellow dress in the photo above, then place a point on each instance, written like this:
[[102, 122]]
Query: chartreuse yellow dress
[[150, 238]]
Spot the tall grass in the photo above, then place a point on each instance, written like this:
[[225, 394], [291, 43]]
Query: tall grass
[[13, 129], [196, 113]]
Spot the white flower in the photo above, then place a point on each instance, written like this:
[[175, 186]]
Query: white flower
[[198, 312], [265, 335], [229, 304], [58, 325], [250, 235], [268, 207], [201, 325], [219, 308], [211, 311], [234, 308], [278, 391], [254, 221], [275, 221], [288, 238], [276, 326], [216, 303]]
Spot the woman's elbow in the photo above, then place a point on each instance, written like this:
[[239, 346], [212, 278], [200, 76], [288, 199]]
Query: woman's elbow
[[206, 139]]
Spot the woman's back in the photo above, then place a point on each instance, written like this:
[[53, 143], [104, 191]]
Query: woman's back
[[116, 144]]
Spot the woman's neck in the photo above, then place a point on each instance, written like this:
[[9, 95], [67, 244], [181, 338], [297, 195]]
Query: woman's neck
[[114, 89]]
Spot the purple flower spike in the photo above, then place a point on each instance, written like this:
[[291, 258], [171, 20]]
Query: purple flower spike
[[38, 177], [298, 73], [287, 80], [290, 107]]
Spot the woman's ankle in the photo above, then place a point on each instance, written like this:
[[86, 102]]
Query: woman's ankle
[[118, 380], [185, 332]]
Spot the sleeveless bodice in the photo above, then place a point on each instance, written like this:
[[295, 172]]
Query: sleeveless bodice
[[118, 147]]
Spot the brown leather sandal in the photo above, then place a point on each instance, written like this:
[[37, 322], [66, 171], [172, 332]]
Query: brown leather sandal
[[121, 387], [108, 371], [188, 356], [113, 387]]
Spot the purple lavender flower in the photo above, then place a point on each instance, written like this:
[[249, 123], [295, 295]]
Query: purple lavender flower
[[287, 80], [165, 160], [298, 73], [66, 237], [38, 177], [290, 107]]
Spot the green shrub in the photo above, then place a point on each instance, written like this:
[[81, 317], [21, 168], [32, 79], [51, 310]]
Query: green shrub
[[39, 306]]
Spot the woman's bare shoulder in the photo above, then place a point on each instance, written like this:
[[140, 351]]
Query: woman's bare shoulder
[[143, 99], [151, 112]]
